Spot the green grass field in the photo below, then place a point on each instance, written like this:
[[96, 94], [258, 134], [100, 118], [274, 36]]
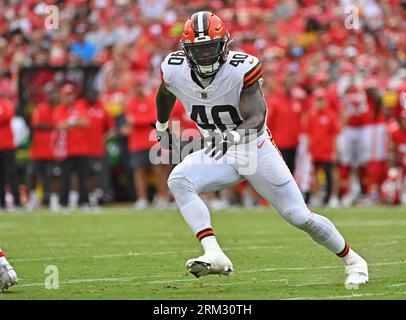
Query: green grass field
[[122, 254]]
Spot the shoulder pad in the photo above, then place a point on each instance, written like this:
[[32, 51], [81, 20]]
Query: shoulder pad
[[171, 61], [248, 67]]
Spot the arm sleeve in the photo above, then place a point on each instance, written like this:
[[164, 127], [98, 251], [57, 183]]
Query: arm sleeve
[[252, 71], [166, 73]]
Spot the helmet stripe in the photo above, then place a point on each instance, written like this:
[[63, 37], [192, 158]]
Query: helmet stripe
[[200, 24], [200, 21], [195, 23], [205, 24]]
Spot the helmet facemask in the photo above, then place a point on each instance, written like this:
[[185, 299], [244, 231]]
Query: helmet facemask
[[206, 57]]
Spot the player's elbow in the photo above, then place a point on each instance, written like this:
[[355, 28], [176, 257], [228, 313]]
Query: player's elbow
[[257, 121]]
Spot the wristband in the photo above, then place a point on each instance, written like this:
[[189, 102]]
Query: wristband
[[237, 136], [161, 126]]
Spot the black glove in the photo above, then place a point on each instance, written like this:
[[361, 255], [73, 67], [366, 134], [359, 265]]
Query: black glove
[[166, 139], [220, 143]]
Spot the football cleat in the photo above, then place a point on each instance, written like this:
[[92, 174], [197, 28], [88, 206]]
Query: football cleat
[[8, 277], [210, 263], [357, 270]]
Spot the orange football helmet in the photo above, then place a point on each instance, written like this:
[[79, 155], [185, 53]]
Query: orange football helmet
[[205, 40]]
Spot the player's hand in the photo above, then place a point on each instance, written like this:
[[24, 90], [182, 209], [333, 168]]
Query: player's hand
[[220, 143], [166, 139]]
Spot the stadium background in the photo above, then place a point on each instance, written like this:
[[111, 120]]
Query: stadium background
[[303, 43]]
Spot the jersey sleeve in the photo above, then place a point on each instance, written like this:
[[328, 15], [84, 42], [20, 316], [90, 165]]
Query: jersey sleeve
[[252, 71], [166, 72]]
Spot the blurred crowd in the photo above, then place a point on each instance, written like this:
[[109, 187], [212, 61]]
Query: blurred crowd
[[334, 82]]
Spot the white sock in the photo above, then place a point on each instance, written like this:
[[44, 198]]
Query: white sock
[[323, 231], [196, 215], [210, 244], [350, 258], [191, 206], [3, 261]]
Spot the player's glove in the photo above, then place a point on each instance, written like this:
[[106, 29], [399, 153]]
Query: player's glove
[[220, 143], [166, 139]]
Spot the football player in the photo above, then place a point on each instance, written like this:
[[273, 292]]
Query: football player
[[221, 92], [397, 139], [8, 276], [354, 141]]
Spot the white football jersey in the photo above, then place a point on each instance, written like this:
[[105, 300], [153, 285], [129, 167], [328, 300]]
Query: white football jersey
[[215, 107]]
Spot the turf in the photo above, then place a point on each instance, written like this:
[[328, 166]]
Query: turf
[[122, 254]]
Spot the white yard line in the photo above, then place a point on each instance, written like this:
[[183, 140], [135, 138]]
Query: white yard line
[[215, 284], [126, 279], [40, 259], [380, 244], [316, 284], [397, 285], [319, 267], [370, 223], [355, 295], [243, 282], [181, 280], [7, 225], [134, 254]]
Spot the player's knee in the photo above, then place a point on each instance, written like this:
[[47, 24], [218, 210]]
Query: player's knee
[[174, 184], [298, 216], [180, 185]]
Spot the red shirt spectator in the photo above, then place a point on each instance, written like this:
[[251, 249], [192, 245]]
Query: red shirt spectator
[[6, 132], [354, 105], [179, 114], [397, 136], [60, 137], [140, 113], [284, 120], [322, 128], [42, 124], [100, 123], [78, 133]]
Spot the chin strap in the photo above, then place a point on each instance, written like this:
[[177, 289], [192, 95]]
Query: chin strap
[[213, 71]]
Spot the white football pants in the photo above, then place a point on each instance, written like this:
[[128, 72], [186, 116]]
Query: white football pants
[[261, 164]]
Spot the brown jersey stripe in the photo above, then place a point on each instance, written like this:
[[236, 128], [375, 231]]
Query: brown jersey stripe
[[255, 78], [258, 70], [252, 71]]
